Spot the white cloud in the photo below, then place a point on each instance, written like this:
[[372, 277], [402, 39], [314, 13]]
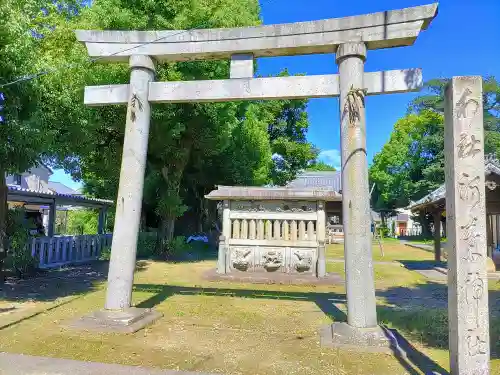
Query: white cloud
[[331, 157]]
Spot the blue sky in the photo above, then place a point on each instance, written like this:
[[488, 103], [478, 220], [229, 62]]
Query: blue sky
[[462, 40]]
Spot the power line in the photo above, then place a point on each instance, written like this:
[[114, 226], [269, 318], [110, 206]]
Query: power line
[[90, 60], [93, 60]]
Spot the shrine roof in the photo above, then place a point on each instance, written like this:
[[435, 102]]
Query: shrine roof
[[272, 193]]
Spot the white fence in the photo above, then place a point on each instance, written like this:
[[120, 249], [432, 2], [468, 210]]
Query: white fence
[[57, 251]]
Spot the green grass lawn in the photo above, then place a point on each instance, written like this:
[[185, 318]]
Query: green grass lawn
[[385, 275], [234, 328], [392, 251]]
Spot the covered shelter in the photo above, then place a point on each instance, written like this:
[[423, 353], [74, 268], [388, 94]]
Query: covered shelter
[[434, 203], [36, 200]]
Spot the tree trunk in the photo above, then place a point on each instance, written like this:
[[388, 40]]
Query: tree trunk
[[167, 231], [3, 224], [437, 236], [424, 222], [172, 177]]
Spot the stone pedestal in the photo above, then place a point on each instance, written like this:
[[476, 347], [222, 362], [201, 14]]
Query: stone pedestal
[[345, 336], [128, 320]]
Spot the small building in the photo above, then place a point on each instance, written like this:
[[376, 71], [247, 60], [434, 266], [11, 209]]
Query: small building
[[40, 198], [434, 204], [273, 229], [402, 224], [328, 181]]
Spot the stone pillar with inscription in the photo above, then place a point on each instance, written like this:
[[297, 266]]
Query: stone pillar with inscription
[[466, 216]]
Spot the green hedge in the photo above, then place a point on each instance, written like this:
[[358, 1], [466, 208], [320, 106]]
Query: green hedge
[[148, 247], [19, 259]]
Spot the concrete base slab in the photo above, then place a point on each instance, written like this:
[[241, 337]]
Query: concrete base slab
[[19, 364], [125, 321], [274, 278], [344, 336]]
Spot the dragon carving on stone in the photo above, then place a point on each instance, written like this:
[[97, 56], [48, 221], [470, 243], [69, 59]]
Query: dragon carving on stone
[[304, 261], [241, 262], [273, 260]]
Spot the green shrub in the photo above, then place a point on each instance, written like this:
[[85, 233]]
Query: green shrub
[[19, 257], [147, 245], [105, 253], [81, 222], [383, 231], [177, 247]]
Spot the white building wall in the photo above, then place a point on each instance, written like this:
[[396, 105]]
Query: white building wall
[[36, 178]]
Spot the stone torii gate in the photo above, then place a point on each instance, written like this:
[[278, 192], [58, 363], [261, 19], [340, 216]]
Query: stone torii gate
[[350, 38]]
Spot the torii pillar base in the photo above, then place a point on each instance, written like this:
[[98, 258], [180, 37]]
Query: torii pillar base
[[128, 320], [344, 336]]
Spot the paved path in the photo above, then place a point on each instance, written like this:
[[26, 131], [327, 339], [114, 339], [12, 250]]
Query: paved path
[[19, 364], [340, 260], [422, 246], [433, 274]]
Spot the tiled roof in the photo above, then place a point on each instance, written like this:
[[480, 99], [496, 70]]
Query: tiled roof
[[318, 180], [50, 194], [271, 193], [60, 188], [492, 166]]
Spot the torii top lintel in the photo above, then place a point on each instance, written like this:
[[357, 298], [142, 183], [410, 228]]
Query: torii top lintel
[[387, 29]]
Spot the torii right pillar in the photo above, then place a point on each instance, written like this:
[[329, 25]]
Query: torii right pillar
[[361, 329]]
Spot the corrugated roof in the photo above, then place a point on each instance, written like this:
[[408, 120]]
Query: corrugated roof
[[41, 194], [60, 188]]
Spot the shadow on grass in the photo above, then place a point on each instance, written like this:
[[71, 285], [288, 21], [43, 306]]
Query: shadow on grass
[[192, 253], [325, 301], [421, 265], [409, 357], [192, 257], [57, 283], [423, 316]]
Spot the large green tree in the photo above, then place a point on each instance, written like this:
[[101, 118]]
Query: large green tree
[[321, 166], [411, 163], [193, 146], [23, 139]]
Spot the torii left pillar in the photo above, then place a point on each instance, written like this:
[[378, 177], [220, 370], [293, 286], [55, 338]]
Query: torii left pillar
[[119, 315]]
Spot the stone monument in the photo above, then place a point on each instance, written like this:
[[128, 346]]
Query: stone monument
[[466, 224], [268, 230], [350, 37]]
